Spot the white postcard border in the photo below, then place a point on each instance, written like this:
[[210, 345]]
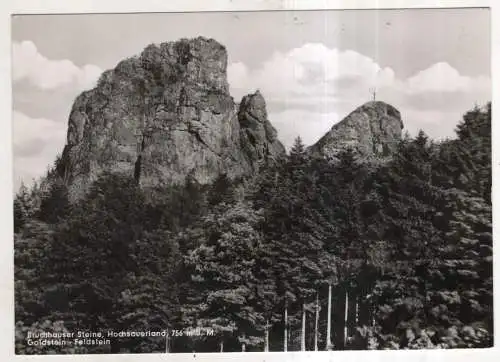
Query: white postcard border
[[10, 7]]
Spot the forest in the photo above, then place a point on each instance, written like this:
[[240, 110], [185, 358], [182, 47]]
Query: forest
[[404, 249]]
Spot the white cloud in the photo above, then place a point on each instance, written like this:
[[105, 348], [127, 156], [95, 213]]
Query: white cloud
[[307, 87], [29, 64], [442, 77], [36, 141], [312, 70]]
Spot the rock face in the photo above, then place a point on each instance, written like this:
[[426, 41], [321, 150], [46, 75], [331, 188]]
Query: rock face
[[165, 115], [372, 131], [258, 137]]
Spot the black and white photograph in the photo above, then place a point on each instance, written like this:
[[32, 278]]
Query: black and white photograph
[[252, 181]]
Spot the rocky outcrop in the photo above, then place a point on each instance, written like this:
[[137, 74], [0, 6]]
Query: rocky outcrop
[[259, 139], [372, 131], [164, 115]]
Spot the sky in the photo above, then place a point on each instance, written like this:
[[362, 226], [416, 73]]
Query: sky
[[313, 67]]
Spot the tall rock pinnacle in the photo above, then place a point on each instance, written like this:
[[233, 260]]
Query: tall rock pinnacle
[[164, 115], [258, 136]]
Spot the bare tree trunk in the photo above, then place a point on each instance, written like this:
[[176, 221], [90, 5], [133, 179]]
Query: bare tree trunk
[[346, 316], [221, 346], [316, 323], [166, 342], [303, 336], [266, 346], [243, 345], [329, 318], [357, 311], [286, 330]]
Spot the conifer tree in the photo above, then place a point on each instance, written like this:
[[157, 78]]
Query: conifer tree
[[408, 202], [461, 277], [24, 208], [230, 298], [55, 204]]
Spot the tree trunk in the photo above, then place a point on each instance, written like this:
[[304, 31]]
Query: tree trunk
[[316, 323], [266, 346], [221, 346], [357, 311], [329, 319], [285, 344], [303, 335], [346, 330]]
